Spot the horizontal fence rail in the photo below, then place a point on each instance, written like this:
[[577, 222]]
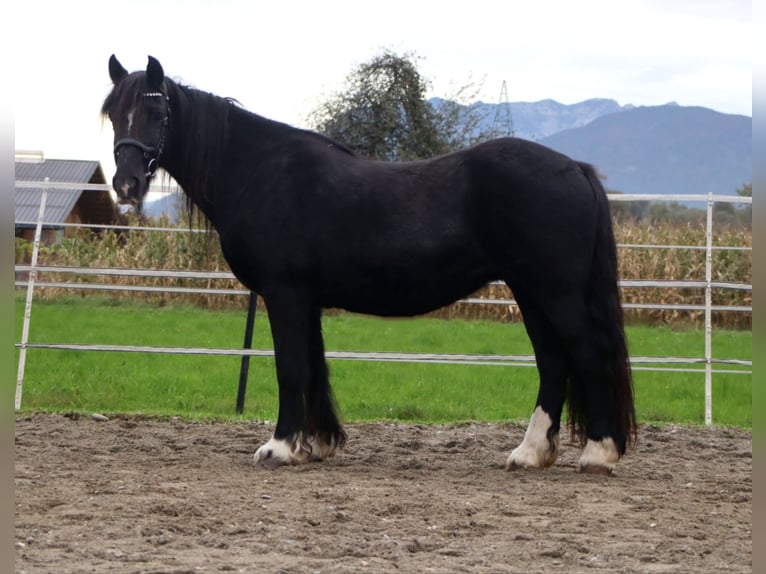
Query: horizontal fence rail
[[434, 358], [678, 364], [224, 275]]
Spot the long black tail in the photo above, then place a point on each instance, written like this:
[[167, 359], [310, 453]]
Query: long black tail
[[605, 308]]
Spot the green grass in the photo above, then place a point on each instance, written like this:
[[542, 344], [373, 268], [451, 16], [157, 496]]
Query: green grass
[[206, 386]]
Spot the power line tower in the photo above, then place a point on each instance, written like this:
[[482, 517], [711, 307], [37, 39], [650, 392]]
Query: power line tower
[[502, 124]]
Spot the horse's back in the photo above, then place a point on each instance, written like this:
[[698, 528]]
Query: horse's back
[[402, 238]]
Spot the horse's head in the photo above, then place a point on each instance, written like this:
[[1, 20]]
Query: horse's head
[[139, 109]]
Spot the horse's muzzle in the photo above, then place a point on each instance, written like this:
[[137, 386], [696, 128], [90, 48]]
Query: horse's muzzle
[[128, 190]]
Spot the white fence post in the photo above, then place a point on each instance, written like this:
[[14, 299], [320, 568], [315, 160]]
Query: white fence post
[[709, 313], [30, 289]]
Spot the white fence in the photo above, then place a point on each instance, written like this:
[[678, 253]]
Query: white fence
[[703, 364]]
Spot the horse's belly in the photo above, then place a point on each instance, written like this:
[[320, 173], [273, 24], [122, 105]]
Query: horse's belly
[[389, 295]]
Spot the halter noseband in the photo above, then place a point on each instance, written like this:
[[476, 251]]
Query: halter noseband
[[152, 154]]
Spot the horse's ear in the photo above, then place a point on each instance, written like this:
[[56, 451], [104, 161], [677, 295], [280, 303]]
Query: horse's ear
[[154, 74], [116, 71]]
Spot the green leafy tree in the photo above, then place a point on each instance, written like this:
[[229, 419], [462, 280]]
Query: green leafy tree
[[746, 190], [627, 210], [382, 113]]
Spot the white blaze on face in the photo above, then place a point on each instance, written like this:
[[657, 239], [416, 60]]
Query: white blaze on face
[[131, 116], [535, 451]]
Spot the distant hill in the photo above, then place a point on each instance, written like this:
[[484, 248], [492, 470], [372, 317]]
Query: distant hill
[[667, 149], [664, 149], [536, 120], [168, 204]]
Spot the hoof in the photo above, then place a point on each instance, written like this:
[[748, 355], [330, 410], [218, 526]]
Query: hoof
[[512, 465], [524, 456], [279, 452], [598, 457], [297, 450], [324, 447], [595, 469], [538, 449]]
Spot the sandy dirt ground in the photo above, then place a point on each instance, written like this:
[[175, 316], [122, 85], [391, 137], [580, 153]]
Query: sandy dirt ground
[[171, 496]]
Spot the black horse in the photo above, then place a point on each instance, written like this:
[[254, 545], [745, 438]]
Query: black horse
[[308, 224]]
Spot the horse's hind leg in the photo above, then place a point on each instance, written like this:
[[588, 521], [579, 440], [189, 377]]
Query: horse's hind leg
[[593, 372], [326, 434], [289, 317], [540, 446]]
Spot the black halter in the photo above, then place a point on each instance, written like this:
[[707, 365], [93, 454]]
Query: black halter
[[152, 154]]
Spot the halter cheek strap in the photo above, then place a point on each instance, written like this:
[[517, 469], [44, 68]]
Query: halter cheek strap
[[152, 154]]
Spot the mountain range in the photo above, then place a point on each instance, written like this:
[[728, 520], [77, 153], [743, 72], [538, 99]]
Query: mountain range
[[537, 120], [664, 149], [668, 149]]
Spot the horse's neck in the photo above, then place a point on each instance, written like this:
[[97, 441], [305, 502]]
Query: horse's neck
[[217, 140], [192, 158]]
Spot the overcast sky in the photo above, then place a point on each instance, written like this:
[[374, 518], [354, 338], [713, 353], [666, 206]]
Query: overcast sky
[[278, 58]]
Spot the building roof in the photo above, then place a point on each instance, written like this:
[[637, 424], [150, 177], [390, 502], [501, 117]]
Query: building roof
[[98, 206]]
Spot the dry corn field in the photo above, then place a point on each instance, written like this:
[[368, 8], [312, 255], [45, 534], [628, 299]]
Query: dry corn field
[[198, 251]]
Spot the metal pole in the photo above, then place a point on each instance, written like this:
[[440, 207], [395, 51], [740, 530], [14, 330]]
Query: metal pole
[[248, 344], [30, 289], [708, 313]]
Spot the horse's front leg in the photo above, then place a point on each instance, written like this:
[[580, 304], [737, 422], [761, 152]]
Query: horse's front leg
[[290, 314], [326, 433]]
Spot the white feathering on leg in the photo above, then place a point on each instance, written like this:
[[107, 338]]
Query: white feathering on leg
[[598, 457], [535, 451], [277, 452]]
